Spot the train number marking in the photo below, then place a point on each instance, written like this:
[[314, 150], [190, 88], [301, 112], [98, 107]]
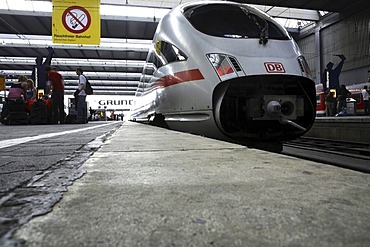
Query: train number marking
[[274, 67]]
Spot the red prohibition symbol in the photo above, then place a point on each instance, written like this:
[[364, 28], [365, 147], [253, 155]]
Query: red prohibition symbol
[[76, 19]]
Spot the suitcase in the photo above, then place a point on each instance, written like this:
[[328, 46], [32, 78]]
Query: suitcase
[[71, 119], [14, 113], [39, 113], [16, 106], [17, 118]]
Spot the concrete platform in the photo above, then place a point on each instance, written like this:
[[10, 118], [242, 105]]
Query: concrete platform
[[344, 128], [149, 186]]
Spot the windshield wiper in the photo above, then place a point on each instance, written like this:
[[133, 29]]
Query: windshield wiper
[[264, 34]]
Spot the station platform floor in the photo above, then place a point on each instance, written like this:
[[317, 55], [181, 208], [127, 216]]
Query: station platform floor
[[345, 128], [148, 186]]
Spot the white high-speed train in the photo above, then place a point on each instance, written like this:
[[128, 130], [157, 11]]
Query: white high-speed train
[[227, 71]]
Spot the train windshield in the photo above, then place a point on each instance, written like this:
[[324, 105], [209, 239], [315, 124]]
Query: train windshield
[[232, 21]]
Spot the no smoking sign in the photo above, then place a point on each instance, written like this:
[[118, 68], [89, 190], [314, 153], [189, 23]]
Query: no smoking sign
[[76, 19]]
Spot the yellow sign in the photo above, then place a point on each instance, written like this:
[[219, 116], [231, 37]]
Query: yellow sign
[[2, 83], [76, 22]]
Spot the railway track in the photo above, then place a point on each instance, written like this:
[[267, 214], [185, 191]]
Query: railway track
[[354, 156]]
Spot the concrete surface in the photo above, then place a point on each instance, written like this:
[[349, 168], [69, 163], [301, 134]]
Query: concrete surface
[[149, 186], [38, 163], [345, 128], [27, 151]]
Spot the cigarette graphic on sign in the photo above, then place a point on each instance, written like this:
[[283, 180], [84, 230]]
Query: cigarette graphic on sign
[[76, 19]]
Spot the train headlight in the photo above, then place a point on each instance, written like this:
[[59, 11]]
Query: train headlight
[[287, 108], [276, 107], [273, 108], [222, 65]]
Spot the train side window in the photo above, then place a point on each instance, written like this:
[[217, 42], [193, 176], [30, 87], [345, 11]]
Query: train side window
[[153, 59], [149, 59], [318, 99], [157, 62], [357, 97], [171, 53]]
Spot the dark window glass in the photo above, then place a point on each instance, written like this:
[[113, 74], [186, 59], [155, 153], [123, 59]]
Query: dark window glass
[[357, 97], [153, 58], [171, 53], [157, 62], [231, 21]]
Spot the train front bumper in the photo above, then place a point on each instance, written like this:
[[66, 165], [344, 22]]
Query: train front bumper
[[266, 107]]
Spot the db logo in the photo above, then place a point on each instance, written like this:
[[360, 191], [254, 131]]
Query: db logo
[[274, 67]]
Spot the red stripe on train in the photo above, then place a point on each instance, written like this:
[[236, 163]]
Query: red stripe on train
[[179, 77]]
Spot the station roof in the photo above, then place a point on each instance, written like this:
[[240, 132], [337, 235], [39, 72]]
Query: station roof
[[114, 67]]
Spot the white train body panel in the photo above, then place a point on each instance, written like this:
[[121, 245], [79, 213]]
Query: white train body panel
[[198, 90]]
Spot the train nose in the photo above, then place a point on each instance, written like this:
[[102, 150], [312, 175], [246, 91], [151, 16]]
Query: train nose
[[265, 107]]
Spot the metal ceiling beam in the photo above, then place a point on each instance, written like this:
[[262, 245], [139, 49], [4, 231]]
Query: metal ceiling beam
[[106, 83], [74, 62], [127, 93], [289, 13], [154, 18], [108, 75], [100, 88], [37, 41]]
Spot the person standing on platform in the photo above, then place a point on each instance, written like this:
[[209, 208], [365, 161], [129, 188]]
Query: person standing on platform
[[331, 75], [365, 96], [330, 78], [81, 99], [56, 87], [343, 95], [329, 103]]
